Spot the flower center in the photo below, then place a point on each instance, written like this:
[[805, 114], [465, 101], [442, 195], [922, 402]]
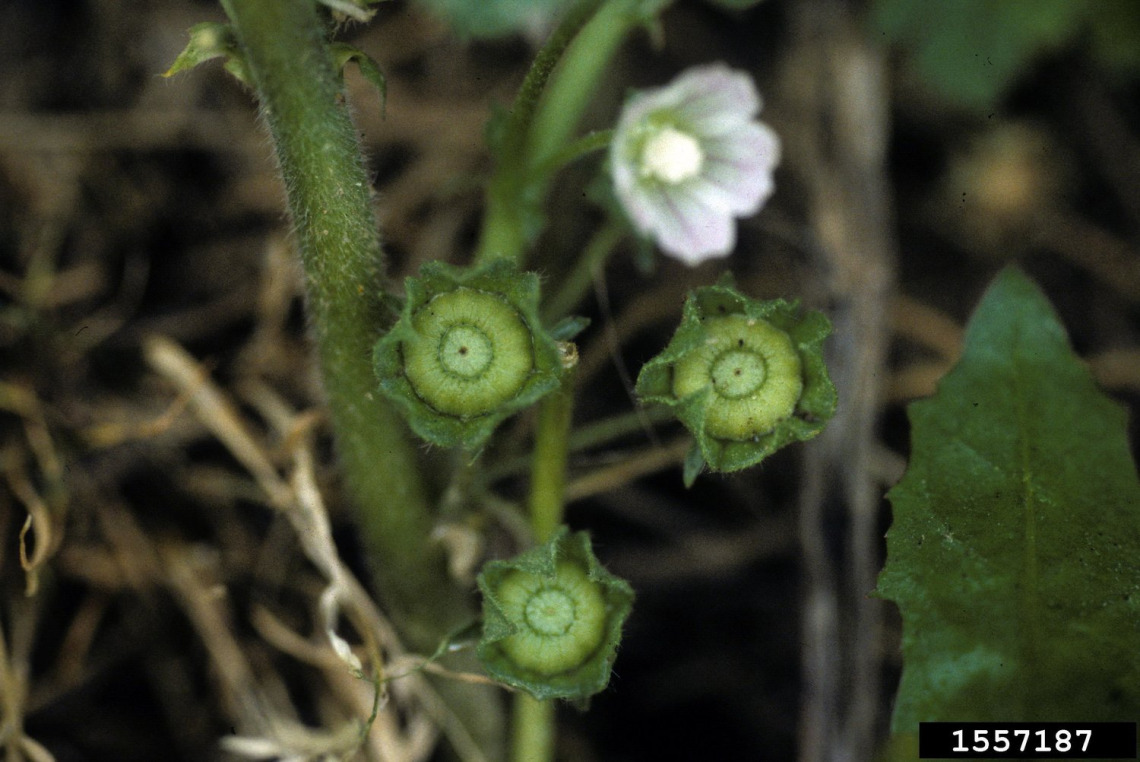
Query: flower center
[[737, 374], [671, 156], [465, 351], [550, 611]]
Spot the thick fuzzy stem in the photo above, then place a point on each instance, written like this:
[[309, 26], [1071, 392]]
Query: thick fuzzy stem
[[302, 98]]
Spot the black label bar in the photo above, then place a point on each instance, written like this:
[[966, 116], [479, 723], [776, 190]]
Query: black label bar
[[1027, 740]]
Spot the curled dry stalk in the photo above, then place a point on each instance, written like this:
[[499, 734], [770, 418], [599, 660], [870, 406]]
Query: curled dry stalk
[[395, 718]]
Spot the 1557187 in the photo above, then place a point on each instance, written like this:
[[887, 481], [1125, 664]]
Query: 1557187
[[1040, 740]]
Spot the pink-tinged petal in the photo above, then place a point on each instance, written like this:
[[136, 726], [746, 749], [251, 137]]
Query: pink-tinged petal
[[691, 231], [754, 146], [644, 209], [692, 216], [726, 201], [741, 167], [623, 170], [714, 96], [644, 104]]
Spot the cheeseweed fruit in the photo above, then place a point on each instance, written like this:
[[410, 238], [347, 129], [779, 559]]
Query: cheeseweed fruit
[[467, 351], [552, 619], [746, 377]]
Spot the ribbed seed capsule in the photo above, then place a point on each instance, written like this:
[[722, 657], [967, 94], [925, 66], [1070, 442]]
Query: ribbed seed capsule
[[472, 353], [746, 377], [467, 351], [552, 619], [754, 372], [561, 620]]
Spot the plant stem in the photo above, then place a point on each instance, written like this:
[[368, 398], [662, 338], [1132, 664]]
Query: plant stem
[[533, 734], [583, 146], [503, 235], [576, 80], [545, 115], [533, 720], [303, 100], [548, 469], [590, 436], [615, 427], [578, 281]]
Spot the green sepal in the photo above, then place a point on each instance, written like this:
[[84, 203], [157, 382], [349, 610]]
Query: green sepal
[[569, 327], [343, 54], [501, 280], [806, 332], [592, 673], [210, 40], [356, 10], [694, 464]]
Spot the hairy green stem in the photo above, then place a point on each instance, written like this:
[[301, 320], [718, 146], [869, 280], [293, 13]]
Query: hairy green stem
[[303, 101]]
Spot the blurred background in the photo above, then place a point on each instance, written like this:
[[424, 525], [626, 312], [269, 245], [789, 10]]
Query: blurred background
[[152, 599]]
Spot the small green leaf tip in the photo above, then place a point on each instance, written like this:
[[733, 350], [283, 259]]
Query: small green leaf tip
[[210, 40], [343, 53], [746, 377], [552, 619], [467, 351]]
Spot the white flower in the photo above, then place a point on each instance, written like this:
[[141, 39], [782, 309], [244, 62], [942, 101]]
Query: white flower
[[689, 157]]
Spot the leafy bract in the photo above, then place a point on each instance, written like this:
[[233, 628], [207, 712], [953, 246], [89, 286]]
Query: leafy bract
[[210, 40], [1014, 555]]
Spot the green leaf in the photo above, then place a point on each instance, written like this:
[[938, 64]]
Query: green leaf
[[342, 54], [210, 40], [569, 327], [1014, 555]]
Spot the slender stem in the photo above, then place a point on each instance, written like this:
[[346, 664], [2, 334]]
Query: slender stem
[[546, 114], [533, 733], [504, 235], [302, 98], [597, 433], [609, 429], [579, 280], [576, 80], [548, 467], [533, 725], [526, 102], [583, 146]]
